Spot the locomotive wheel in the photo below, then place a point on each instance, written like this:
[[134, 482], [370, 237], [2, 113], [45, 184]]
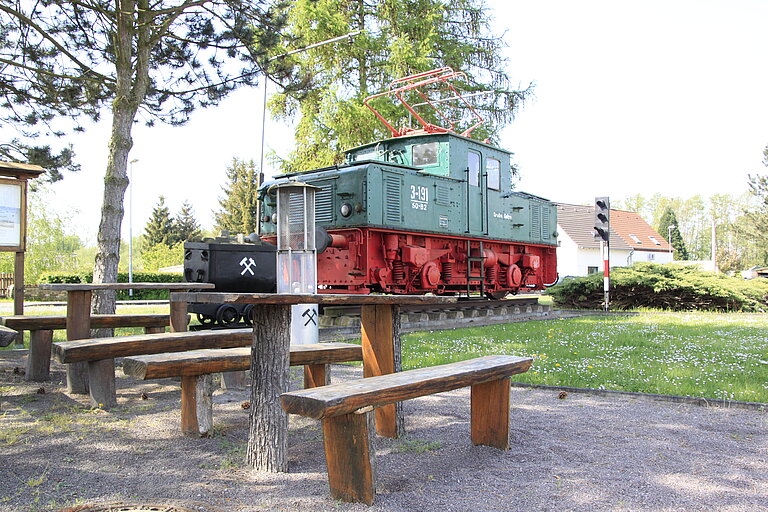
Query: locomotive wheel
[[227, 315], [247, 318], [497, 295], [205, 319]]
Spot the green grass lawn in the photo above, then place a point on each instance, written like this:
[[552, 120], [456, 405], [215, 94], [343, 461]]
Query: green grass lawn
[[692, 354]]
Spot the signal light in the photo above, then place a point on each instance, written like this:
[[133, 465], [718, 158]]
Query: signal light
[[602, 218]]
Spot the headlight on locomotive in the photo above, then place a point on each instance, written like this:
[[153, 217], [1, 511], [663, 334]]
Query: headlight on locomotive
[[346, 210]]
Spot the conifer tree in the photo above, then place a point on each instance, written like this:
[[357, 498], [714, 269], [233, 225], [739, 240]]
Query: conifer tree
[[669, 219], [64, 60], [238, 206], [159, 228], [398, 38], [185, 226]]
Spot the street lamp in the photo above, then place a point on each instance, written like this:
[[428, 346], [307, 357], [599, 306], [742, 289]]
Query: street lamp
[[669, 237], [130, 224]]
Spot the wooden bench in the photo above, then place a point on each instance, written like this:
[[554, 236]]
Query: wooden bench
[[343, 409], [41, 329], [100, 353], [196, 366]]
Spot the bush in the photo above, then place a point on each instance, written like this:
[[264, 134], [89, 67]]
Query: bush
[[671, 287], [122, 277]]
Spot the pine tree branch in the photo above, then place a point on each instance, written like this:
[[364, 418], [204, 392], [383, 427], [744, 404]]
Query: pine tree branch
[[44, 34]]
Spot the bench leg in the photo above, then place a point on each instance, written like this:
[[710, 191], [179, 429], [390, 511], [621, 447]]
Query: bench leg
[[197, 405], [234, 380], [101, 383], [349, 456], [316, 375], [490, 413], [154, 330], [77, 378], [39, 358]]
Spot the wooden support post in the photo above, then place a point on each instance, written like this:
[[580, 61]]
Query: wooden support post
[[78, 327], [380, 327], [154, 330], [267, 440], [490, 413], [101, 383], [178, 316], [18, 289], [316, 375], [350, 457], [197, 405], [39, 357]]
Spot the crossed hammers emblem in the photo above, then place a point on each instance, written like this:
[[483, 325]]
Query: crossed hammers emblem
[[247, 263]]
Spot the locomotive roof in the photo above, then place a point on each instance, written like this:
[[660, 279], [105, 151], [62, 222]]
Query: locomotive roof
[[405, 138]]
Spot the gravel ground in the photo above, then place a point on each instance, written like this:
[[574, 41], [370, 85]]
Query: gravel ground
[[578, 453]]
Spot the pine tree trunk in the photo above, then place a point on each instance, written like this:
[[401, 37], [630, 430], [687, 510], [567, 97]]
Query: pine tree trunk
[[112, 209], [267, 442], [132, 47]]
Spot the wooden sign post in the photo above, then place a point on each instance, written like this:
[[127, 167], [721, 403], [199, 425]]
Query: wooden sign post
[[13, 220]]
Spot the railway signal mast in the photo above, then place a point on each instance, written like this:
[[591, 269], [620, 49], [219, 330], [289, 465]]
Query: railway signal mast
[[603, 232]]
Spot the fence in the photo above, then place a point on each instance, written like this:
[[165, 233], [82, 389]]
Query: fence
[[6, 284]]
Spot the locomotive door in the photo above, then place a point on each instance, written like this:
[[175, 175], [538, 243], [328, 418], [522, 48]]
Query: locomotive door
[[475, 206]]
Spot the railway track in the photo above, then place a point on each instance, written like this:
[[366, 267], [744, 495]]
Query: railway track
[[344, 322]]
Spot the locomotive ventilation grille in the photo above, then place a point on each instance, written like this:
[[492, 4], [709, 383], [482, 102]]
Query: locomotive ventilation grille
[[324, 202], [392, 193]]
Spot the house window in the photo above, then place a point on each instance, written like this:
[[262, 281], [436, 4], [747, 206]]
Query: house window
[[651, 257], [653, 239], [633, 237], [592, 270]]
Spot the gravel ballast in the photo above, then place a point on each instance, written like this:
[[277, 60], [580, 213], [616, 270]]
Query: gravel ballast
[[580, 452]]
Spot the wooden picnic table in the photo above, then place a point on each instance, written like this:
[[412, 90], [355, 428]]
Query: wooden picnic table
[[380, 332], [79, 317]]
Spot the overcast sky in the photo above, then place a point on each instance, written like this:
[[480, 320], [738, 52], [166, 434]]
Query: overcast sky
[[631, 97]]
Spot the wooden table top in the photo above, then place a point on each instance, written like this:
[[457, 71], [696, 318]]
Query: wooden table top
[[75, 287], [320, 298]]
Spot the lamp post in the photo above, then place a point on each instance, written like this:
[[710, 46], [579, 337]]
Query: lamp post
[[130, 224], [264, 105], [669, 238]]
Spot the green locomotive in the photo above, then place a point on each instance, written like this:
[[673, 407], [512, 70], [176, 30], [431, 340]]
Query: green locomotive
[[431, 211]]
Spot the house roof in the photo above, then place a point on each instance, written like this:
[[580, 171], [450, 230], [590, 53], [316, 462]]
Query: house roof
[[628, 230]]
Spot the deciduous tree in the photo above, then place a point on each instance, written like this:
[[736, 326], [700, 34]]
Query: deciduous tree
[[156, 60]]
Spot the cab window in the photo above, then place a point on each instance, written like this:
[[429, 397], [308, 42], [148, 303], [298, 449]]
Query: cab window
[[493, 170], [425, 154], [473, 164]]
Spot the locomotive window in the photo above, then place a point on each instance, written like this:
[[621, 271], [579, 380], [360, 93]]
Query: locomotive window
[[473, 164], [492, 169], [425, 154]]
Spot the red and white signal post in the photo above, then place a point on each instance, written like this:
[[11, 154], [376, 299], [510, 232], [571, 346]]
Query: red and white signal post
[[603, 232]]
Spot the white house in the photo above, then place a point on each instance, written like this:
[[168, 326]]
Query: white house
[[631, 240]]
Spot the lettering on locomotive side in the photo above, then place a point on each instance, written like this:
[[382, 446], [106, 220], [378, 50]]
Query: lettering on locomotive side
[[419, 197], [505, 216]]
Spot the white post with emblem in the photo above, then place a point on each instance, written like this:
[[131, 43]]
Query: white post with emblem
[[297, 256]]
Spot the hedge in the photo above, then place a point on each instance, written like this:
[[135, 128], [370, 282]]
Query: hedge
[[669, 286], [122, 277]]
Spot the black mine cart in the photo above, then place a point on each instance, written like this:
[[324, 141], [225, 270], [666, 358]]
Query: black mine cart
[[232, 267]]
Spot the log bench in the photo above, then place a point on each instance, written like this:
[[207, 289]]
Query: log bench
[[195, 368], [345, 413], [100, 353], [41, 329]]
